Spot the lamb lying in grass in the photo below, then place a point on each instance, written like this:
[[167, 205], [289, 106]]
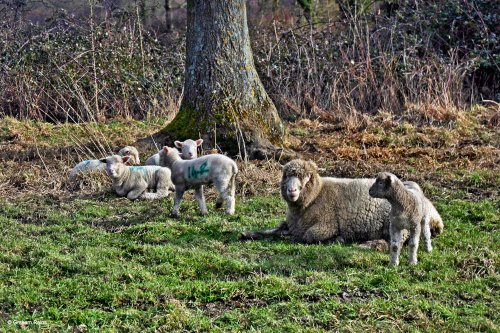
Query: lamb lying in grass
[[217, 169], [90, 166], [189, 151], [408, 211], [323, 208], [134, 181]]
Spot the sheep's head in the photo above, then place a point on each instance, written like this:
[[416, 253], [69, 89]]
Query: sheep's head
[[189, 148], [382, 188], [168, 156], [132, 152], [115, 165], [296, 176]]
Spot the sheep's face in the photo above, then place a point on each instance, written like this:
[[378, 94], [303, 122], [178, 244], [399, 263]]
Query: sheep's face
[[189, 148], [382, 186], [296, 175], [115, 166], [132, 153]]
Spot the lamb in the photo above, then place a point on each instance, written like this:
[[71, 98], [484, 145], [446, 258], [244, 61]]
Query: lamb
[[133, 181], [216, 168], [89, 166], [436, 222], [408, 211], [321, 209], [189, 151]]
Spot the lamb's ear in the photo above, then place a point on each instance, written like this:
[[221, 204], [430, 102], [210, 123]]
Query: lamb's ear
[[199, 142], [165, 149], [178, 144], [125, 159], [103, 160]]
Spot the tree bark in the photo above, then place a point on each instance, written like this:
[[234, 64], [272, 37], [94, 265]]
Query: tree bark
[[224, 101]]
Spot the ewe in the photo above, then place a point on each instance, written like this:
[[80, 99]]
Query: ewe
[[323, 208]]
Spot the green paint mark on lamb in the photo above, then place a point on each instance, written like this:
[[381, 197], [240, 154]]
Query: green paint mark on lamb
[[196, 174]]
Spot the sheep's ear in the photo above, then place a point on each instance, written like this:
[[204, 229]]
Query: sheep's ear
[[306, 180], [178, 144], [165, 149], [313, 165], [199, 142], [103, 160], [125, 159]]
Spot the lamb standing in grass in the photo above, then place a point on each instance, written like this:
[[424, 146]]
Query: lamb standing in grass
[[134, 181], [189, 151], [89, 166], [217, 169], [408, 212], [324, 208], [436, 222]]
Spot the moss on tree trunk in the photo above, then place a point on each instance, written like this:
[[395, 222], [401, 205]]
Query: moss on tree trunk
[[224, 100]]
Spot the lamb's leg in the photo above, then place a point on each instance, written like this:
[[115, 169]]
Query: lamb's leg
[[227, 193], [219, 202], [413, 243], [395, 247], [154, 196], [426, 232], [198, 194], [280, 230], [136, 193], [179, 192]]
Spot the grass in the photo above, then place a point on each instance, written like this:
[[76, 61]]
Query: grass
[[89, 261], [116, 265]]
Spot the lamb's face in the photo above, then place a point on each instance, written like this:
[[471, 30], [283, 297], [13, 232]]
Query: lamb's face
[[189, 148], [296, 175], [132, 153], [115, 166], [381, 187]]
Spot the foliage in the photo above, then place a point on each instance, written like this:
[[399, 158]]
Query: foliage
[[79, 71]]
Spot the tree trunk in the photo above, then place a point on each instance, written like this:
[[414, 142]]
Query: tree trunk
[[224, 101], [169, 17]]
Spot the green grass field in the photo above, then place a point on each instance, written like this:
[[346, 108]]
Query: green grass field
[[120, 266], [86, 261]]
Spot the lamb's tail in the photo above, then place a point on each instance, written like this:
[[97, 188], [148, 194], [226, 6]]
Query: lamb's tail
[[233, 180], [436, 224]]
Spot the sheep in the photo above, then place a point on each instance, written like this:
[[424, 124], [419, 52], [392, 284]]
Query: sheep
[[408, 211], [436, 222], [189, 151], [217, 169], [89, 166], [133, 181], [321, 209]]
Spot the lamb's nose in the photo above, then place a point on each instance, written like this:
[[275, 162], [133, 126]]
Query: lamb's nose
[[190, 154], [291, 190]]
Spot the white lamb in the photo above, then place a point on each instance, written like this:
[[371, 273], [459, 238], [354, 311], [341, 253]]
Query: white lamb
[[89, 166], [217, 169], [134, 181], [189, 151], [408, 211]]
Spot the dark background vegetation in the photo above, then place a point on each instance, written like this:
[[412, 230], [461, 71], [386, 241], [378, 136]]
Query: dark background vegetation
[[333, 60]]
